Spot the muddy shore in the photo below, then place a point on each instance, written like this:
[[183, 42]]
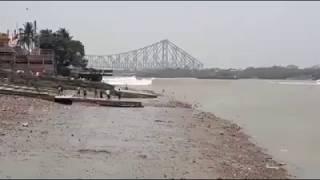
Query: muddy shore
[[165, 139]]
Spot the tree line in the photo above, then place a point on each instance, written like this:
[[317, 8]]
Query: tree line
[[68, 51], [273, 72]]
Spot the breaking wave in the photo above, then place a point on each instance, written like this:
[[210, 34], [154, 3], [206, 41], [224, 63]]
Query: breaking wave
[[125, 80]]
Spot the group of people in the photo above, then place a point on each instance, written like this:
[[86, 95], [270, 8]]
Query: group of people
[[107, 92], [96, 92], [84, 90]]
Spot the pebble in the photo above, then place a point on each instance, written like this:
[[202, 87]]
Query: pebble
[[143, 156], [44, 132]]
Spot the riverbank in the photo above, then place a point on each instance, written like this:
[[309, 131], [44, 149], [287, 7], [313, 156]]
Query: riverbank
[[165, 139]]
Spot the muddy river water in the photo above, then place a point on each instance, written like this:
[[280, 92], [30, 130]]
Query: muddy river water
[[281, 116]]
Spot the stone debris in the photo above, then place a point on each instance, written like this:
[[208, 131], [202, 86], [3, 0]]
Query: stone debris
[[195, 148], [94, 151]]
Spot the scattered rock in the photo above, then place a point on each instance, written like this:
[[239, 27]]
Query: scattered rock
[[165, 176], [282, 164], [26, 124], [72, 135], [44, 132], [143, 156], [158, 121], [272, 167], [94, 151]]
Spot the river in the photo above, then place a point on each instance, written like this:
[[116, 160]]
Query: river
[[281, 116]]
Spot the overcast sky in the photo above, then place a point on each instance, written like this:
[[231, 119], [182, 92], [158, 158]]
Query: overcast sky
[[220, 34]]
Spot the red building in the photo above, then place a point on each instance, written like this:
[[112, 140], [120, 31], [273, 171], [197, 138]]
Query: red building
[[38, 61]]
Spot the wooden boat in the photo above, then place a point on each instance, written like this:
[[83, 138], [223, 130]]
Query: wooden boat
[[101, 102], [120, 103]]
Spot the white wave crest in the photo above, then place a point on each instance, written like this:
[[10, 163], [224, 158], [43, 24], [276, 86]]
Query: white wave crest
[[125, 80]]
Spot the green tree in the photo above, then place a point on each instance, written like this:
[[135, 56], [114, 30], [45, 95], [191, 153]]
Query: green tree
[[27, 35], [67, 51], [64, 34]]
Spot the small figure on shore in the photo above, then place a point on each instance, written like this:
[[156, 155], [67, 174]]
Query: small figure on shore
[[101, 94], [108, 93], [60, 90], [126, 88], [84, 92], [95, 92], [78, 91], [119, 94]]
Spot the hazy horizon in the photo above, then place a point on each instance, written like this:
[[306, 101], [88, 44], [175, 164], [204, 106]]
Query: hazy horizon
[[219, 34]]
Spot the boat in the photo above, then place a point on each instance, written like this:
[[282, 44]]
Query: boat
[[102, 102], [120, 103]]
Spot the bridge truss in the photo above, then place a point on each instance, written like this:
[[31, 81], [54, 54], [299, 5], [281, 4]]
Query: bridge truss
[[160, 55]]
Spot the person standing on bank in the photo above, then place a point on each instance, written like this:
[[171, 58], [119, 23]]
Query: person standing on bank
[[84, 92], [119, 94], [101, 93], [95, 92], [108, 93], [60, 90], [78, 91]]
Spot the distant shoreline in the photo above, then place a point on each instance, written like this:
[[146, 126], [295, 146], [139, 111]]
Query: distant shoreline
[[227, 78], [274, 72]]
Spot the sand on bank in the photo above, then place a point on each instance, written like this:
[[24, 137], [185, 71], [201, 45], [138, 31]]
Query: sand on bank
[[165, 139]]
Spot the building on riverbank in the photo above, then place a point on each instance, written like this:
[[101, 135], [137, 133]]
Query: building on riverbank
[[37, 61]]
